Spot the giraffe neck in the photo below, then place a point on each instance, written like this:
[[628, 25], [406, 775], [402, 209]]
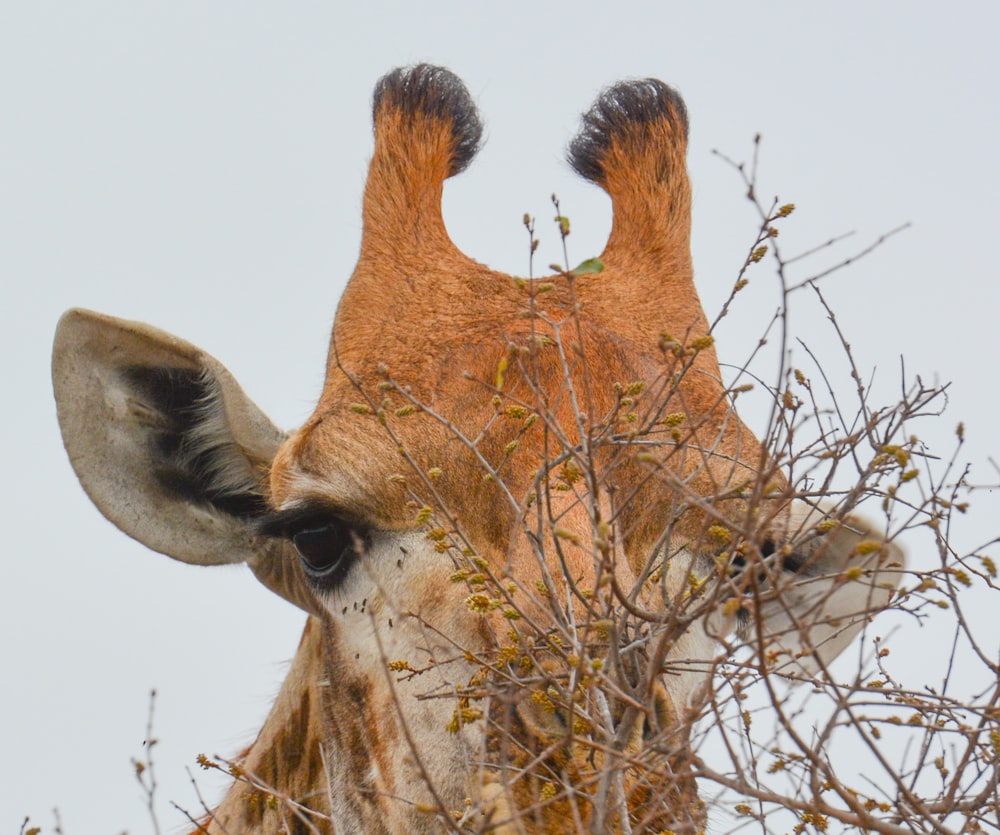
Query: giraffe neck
[[281, 782]]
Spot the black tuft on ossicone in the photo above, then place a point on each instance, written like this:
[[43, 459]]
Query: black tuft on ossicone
[[439, 93], [616, 111]]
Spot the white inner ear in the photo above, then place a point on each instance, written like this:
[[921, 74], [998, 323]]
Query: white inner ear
[[114, 417]]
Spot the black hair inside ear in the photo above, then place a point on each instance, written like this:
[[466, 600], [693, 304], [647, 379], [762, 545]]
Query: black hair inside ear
[[191, 457]]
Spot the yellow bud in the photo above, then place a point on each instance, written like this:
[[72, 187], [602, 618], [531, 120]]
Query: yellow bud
[[719, 533], [563, 533], [703, 342]]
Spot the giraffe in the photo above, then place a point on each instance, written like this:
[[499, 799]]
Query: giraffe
[[507, 486]]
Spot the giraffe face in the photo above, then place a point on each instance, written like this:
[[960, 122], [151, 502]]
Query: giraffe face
[[519, 517]]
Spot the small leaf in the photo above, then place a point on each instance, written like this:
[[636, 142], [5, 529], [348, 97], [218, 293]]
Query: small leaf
[[591, 266]]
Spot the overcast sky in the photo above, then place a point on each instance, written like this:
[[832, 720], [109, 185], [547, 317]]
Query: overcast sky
[[199, 165]]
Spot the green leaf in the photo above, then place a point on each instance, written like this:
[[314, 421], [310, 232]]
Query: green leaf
[[591, 265]]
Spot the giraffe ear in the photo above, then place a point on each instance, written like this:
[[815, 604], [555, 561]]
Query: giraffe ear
[[162, 438]]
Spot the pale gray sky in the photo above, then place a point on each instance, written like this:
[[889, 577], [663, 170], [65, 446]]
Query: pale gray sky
[[199, 166]]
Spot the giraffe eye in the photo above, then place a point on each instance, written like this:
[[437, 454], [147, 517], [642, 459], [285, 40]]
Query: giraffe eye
[[792, 563], [327, 551], [327, 544]]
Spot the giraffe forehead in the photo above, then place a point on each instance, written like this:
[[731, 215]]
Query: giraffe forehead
[[451, 412]]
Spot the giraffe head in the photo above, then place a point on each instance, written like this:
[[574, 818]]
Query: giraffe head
[[523, 513]]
